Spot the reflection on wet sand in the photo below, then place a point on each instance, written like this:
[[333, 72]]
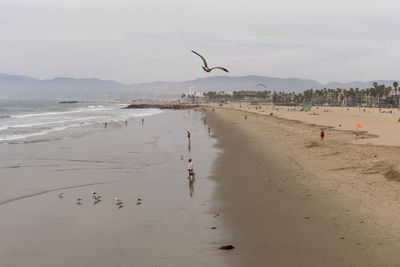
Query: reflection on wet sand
[[191, 185]]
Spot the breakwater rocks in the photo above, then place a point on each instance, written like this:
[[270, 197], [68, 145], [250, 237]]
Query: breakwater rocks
[[68, 102], [163, 106]]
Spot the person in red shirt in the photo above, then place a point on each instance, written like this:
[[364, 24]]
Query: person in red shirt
[[322, 133]]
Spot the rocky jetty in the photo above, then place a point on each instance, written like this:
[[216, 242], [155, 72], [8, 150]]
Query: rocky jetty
[[68, 102]]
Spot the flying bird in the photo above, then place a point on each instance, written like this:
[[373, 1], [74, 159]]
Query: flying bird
[[205, 67], [261, 84]]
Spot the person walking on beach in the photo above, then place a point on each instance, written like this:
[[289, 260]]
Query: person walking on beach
[[190, 169], [105, 125], [142, 121], [322, 133], [245, 117], [188, 136]]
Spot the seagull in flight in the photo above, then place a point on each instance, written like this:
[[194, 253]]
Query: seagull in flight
[[261, 84], [205, 67]]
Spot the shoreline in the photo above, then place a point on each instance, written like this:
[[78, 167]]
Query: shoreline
[[292, 200], [169, 226]]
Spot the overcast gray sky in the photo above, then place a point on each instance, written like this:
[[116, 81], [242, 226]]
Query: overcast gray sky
[[139, 41]]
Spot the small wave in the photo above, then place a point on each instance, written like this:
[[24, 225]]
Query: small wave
[[43, 132], [46, 114], [28, 125], [100, 109], [22, 136], [148, 112], [90, 108], [3, 127]]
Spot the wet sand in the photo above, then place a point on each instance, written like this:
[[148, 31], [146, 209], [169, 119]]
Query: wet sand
[[291, 199], [169, 228]]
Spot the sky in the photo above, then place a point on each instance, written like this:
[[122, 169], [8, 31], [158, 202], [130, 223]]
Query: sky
[[134, 41]]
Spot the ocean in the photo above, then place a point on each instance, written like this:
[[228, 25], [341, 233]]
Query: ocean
[[32, 121]]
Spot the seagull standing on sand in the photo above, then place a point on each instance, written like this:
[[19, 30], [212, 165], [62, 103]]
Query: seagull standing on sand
[[118, 202], [60, 195], [205, 67]]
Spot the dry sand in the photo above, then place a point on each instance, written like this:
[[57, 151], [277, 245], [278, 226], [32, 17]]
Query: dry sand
[[379, 122], [294, 200]]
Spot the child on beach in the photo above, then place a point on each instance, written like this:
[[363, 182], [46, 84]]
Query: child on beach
[[322, 134], [188, 135], [190, 169]]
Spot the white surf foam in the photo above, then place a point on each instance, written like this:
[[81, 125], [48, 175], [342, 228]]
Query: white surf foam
[[80, 110], [61, 125], [29, 125]]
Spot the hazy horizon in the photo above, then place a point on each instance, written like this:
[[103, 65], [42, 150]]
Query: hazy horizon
[[145, 41], [210, 76]]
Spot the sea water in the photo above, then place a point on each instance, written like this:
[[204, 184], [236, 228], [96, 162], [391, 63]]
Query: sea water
[[28, 121]]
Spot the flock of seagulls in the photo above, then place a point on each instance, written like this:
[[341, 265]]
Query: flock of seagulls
[[97, 198]]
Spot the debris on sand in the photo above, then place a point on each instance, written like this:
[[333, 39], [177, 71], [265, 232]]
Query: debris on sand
[[227, 247]]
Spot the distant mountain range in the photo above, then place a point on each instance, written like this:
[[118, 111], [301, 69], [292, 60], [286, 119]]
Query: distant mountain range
[[23, 87]]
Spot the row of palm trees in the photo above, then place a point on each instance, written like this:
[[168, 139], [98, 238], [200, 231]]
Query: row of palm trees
[[376, 96]]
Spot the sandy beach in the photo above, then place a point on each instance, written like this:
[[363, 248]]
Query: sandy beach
[[292, 199], [268, 185]]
